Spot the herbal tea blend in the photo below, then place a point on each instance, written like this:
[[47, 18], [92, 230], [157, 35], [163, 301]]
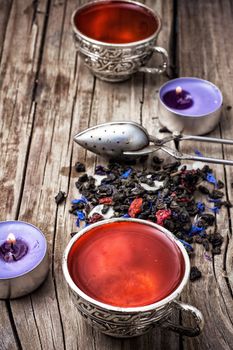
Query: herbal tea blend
[[141, 276], [164, 195]]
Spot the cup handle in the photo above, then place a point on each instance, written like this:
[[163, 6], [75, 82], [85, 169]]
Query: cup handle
[[189, 331], [162, 67]]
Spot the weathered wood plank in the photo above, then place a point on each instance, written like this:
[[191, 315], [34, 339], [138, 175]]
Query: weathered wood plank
[[5, 7], [17, 75], [7, 340], [53, 318], [206, 56], [19, 52], [7, 335]]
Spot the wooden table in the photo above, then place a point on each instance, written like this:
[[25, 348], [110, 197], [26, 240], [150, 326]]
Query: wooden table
[[46, 96]]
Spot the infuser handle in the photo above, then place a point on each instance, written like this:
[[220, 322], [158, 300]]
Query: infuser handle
[[162, 67], [208, 160], [183, 156], [189, 331], [205, 139]]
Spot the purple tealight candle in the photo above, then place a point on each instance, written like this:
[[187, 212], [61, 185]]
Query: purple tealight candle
[[189, 105], [23, 258]]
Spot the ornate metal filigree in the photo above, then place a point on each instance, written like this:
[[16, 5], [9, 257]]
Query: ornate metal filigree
[[114, 63], [120, 324]]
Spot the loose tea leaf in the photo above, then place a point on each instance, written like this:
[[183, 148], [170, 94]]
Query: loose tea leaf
[[195, 273], [80, 167], [60, 197]]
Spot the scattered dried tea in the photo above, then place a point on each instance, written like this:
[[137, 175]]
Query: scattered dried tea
[[203, 189], [166, 195], [164, 129], [195, 273], [72, 234], [216, 194], [220, 184], [216, 240], [60, 197], [80, 167]]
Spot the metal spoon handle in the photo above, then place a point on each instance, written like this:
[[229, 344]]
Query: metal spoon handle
[[205, 139], [208, 160], [178, 155]]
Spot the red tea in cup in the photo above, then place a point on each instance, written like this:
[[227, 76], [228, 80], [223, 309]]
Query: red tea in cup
[[126, 264], [116, 22]]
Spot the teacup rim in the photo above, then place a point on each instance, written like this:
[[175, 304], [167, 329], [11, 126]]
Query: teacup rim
[[168, 299], [123, 45]]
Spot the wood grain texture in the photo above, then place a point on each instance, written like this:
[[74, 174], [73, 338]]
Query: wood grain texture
[[19, 62], [7, 340], [46, 96], [205, 56], [5, 8]]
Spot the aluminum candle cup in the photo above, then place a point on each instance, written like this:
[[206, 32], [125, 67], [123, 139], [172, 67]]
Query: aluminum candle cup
[[189, 105], [126, 276], [117, 38], [24, 260]]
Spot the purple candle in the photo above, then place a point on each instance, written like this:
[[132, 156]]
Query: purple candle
[[182, 100], [23, 258], [202, 96]]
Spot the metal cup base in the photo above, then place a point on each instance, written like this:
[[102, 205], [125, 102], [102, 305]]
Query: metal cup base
[[19, 286], [199, 125]]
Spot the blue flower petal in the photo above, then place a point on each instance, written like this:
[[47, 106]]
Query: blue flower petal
[[80, 200], [186, 244], [195, 230], [211, 200], [201, 207], [126, 174], [198, 153], [211, 179], [215, 210]]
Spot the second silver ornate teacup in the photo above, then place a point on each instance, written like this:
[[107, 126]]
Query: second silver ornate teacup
[[117, 38], [126, 276]]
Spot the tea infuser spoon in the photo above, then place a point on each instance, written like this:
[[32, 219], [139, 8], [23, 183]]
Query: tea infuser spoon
[[129, 139]]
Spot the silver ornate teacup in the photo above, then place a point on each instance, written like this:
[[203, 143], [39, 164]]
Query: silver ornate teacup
[[133, 321], [117, 62]]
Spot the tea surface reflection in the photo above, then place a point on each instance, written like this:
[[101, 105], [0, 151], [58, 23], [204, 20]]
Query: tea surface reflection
[[126, 264], [116, 22]]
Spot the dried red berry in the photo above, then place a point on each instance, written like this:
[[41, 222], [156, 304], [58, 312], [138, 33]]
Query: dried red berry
[[183, 200], [105, 200], [135, 207], [95, 217], [162, 215]]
